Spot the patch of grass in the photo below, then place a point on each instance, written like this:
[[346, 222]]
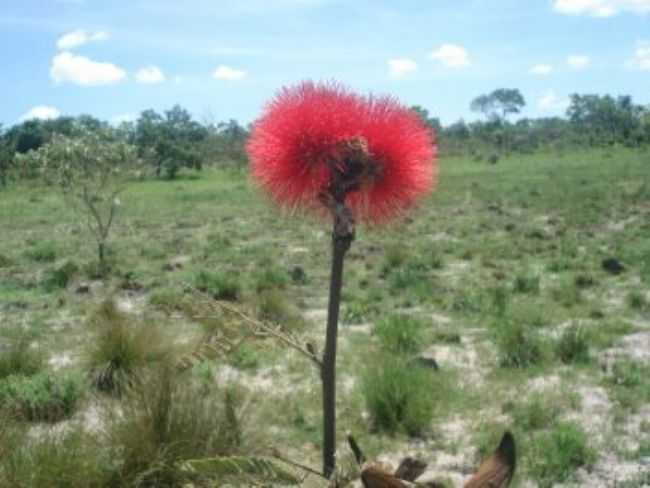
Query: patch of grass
[[401, 333], [123, 345], [573, 345], [42, 252], [273, 306], [605, 334], [527, 283], [271, 278], [5, 262], [167, 299], [59, 278], [629, 382], [637, 301], [411, 280], [470, 301], [395, 257], [68, 459], [583, 280], [399, 396], [168, 419], [518, 346], [555, 455], [221, 286], [41, 397], [19, 358], [357, 311], [245, 357], [538, 412], [567, 293]]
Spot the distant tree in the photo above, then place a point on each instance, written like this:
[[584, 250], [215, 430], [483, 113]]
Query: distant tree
[[499, 104], [6, 156], [233, 138], [432, 122], [90, 170], [169, 141], [605, 118], [27, 136]]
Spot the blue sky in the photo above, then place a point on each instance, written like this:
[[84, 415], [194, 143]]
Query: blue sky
[[223, 59]]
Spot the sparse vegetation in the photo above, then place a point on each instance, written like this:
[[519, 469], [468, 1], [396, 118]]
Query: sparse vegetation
[[399, 396], [495, 304], [41, 397], [558, 453], [122, 346], [401, 334]]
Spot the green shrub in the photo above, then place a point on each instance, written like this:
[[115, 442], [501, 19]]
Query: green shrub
[[401, 333], [411, 279], [167, 299], [573, 345], [41, 397], [273, 306], [558, 453], [20, 359], [629, 381], [122, 345], [5, 262], [271, 278], [518, 346], [168, 419], [500, 300], [536, 413], [357, 311], [245, 357], [526, 283], [395, 257], [399, 396], [42, 252], [221, 286], [636, 300], [60, 277]]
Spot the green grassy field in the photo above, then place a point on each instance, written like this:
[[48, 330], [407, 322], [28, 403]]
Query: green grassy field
[[498, 276]]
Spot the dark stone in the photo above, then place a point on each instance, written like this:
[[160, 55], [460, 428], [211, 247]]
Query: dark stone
[[428, 363], [613, 266], [298, 275], [83, 288]]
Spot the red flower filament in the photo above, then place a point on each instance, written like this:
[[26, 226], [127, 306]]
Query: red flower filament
[[305, 132]]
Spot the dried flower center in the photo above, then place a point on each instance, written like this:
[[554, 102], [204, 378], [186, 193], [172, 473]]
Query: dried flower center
[[353, 166]]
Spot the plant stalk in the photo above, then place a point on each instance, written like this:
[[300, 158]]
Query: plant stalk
[[342, 238]]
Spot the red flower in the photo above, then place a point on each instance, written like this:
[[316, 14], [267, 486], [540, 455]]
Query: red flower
[[304, 131]]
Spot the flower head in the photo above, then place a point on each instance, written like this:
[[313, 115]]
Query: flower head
[[311, 132]]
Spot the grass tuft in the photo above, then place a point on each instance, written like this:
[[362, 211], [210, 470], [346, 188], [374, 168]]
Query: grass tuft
[[399, 396]]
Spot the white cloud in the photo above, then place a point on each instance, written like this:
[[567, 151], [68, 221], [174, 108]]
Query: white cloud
[[551, 102], [150, 75], [42, 112], [68, 67], [541, 70], [229, 74], [79, 38], [641, 59], [401, 67], [451, 55], [601, 8], [577, 62]]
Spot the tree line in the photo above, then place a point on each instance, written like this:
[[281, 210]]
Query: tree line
[[169, 141], [165, 142], [590, 121]]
